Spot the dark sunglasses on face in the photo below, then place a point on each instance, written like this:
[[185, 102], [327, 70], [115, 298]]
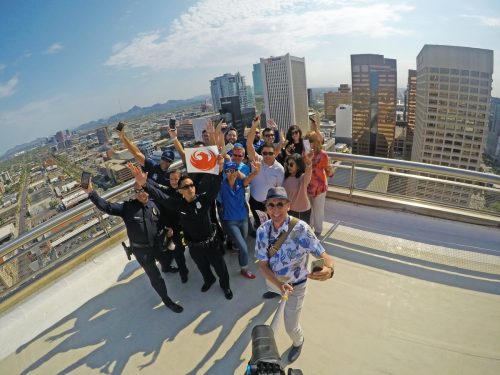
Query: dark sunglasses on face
[[264, 153], [237, 155], [272, 205], [139, 190], [230, 170], [291, 164], [188, 186], [268, 135], [295, 132]]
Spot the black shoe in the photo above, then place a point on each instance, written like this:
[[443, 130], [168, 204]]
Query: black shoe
[[174, 307], [169, 269], [207, 286], [269, 295], [294, 353], [228, 293]]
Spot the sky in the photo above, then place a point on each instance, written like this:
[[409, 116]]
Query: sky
[[64, 63]]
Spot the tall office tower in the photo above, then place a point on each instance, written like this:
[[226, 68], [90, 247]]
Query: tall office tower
[[493, 141], [103, 135], [228, 85], [409, 113], [374, 97], [453, 96], [250, 97], [285, 91], [230, 108], [334, 99], [257, 80], [310, 98], [343, 126]]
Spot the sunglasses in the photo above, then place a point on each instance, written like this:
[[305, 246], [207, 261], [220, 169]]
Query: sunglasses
[[230, 170], [291, 164], [139, 190], [295, 132], [272, 205], [237, 156], [188, 186], [268, 135], [264, 153]]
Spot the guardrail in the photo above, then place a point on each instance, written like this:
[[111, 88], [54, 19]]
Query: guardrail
[[33, 254], [439, 186]]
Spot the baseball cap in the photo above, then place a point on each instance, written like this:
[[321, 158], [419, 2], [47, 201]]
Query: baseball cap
[[277, 192], [230, 165], [168, 156]]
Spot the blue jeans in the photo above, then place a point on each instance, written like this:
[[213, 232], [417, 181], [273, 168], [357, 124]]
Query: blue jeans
[[238, 231]]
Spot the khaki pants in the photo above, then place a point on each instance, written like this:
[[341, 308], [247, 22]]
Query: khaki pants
[[293, 308]]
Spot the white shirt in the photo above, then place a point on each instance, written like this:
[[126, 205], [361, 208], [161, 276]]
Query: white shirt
[[268, 177]]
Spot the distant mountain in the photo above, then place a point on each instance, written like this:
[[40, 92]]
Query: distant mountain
[[132, 113], [137, 111]]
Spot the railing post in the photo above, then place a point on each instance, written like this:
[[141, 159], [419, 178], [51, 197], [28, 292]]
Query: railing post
[[353, 174]]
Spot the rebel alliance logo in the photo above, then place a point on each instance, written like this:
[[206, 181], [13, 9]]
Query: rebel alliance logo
[[203, 160]]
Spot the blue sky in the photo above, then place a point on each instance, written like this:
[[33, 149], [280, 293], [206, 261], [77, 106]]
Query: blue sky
[[63, 63]]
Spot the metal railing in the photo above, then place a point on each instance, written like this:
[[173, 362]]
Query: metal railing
[[434, 185], [52, 243]]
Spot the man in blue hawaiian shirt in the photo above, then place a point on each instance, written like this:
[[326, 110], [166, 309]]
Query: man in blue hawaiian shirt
[[286, 270]]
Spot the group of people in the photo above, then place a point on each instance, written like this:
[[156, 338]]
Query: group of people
[[288, 184]]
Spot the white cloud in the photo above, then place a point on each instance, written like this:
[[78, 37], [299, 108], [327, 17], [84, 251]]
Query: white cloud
[[54, 48], [9, 88], [485, 20], [227, 32]]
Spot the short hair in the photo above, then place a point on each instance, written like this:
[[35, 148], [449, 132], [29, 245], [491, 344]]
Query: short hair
[[268, 145], [299, 161], [267, 130], [182, 178]]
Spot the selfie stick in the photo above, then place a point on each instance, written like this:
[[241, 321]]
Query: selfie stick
[[279, 312]]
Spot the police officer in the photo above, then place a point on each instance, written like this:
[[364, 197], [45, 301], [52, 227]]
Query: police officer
[[145, 232], [194, 208], [158, 173]]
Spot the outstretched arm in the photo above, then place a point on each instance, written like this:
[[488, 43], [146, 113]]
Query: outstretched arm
[[177, 144], [115, 209], [251, 137], [138, 155]]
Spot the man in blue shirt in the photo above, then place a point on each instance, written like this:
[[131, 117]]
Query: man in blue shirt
[[285, 268]]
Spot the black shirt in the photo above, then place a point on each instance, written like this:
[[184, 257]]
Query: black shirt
[[194, 216], [142, 221], [155, 172]]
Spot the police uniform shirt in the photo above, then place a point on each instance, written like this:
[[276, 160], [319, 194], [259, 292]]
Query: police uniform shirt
[[141, 220], [194, 216], [155, 172]]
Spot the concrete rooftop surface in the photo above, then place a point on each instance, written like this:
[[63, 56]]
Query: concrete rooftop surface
[[411, 295]]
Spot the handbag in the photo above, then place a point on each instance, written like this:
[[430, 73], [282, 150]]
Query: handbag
[[273, 249]]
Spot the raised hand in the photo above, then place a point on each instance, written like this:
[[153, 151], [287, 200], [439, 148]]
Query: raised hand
[[139, 175]]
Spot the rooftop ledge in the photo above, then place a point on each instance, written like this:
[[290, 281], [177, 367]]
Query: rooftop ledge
[[412, 294]]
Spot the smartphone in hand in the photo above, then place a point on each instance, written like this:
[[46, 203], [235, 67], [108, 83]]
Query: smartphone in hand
[[317, 265], [307, 146], [172, 124], [120, 126], [85, 180], [227, 148]]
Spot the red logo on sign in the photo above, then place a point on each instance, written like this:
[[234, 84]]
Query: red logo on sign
[[203, 161]]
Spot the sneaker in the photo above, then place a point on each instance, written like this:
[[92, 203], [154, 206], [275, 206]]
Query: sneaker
[[207, 286], [228, 293], [294, 353], [247, 274], [269, 295], [174, 307]]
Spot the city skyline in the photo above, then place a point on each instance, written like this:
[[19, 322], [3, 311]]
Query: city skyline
[[64, 64]]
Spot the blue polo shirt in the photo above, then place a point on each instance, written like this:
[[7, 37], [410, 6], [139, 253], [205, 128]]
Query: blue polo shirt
[[233, 201]]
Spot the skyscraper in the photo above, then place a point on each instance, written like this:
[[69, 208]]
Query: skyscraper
[[493, 142], [257, 80], [229, 85], [285, 91], [409, 113], [373, 104], [334, 99], [453, 96], [103, 135]]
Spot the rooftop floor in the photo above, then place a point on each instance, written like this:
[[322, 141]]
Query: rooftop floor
[[411, 295]]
